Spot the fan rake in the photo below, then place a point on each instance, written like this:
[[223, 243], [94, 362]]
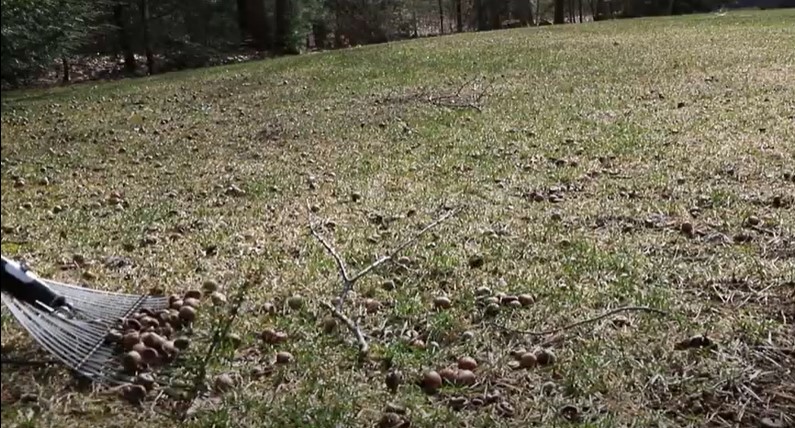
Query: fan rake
[[73, 323]]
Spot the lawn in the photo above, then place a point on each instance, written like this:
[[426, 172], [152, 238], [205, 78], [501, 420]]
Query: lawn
[[646, 162]]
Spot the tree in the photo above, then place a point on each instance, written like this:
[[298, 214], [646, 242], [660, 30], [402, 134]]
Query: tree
[[125, 44], [560, 14], [143, 7], [494, 9], [38, 33], [441, 17], [481, 15], [459, 17], [524, 12]]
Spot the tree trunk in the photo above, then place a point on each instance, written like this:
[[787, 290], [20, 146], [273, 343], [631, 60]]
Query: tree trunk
[[524, 10], [579, 6], [441, 17], [65, 67], [124, 38], [256, 23], [495, 23], [482, 18], [560, 13], [241, 18], [571, 11], [284, 27], [538, 12], [459, 17], [150, 57]]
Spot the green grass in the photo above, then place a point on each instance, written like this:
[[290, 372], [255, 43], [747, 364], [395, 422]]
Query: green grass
[[688, 119]]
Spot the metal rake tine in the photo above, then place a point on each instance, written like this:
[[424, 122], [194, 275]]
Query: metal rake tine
[[83, 353]]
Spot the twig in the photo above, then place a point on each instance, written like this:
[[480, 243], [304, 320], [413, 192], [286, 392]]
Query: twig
[[585, 321], [364, 347], [450, 100], [405, 244], [340, 264], [350, 281]]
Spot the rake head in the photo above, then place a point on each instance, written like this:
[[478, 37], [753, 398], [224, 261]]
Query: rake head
[[72, 323]]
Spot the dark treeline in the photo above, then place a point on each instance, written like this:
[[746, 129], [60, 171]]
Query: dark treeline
[[136, 37]]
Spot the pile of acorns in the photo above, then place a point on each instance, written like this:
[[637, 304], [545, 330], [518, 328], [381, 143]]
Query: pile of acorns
[[149, 340]]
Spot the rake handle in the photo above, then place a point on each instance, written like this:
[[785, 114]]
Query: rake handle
[[24, 285]]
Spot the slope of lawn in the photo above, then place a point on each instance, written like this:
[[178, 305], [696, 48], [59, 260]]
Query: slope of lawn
[[643, 162]]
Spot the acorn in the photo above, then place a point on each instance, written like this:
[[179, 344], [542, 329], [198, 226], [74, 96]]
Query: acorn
[[139, 347], [329, 325], [113, 336], [393, 380], [193, 294], [465, 377], [442, 302], [163, 315], [166, 330], [132, 324], [187, 314], [209, 286], [272, 336], [526, 299], [527, 360], [372, 305], [447, 374], [224, 383], [130, 339], [130, 361], [134, 394], [169, 348], [467, 363], [283, 357], [295, 302], [182, 343], [545, 357], [147, 321], [431, 381], [152, 340], [492, 309], [218, 298], [190, 301], [147, 380], [150, 356]]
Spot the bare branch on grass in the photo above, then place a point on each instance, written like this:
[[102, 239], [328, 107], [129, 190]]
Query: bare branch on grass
[[364, 347], [349, 281], [455, 100], [585, 321]]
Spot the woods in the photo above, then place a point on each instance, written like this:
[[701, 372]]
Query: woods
[[136, 37]]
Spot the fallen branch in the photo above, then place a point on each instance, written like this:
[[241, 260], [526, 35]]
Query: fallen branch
[[364, 347], [449, 100], [585, 321], [349, 281]]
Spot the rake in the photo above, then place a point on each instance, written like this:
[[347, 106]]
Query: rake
[[72, 322]]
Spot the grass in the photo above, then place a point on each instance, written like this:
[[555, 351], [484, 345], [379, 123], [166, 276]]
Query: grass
[[644, 124]]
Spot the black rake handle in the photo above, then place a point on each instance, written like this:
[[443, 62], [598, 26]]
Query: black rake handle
[[24, 285]]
